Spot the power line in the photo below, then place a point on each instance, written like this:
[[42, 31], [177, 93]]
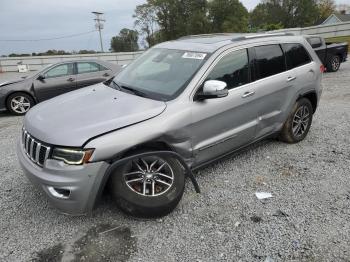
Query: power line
[[46, 39]]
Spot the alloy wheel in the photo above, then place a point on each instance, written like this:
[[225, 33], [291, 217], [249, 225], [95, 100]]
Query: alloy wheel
[[301, 121], [20, 104], [149, 176]]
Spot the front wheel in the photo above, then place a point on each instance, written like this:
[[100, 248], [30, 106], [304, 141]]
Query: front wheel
[[19, 103], [149, 186], [298, 124]]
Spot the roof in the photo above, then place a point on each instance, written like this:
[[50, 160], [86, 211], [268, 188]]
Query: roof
[[337, 18], [344, 17], [107, 64], [95, 60], [203, 43], [211, 42]]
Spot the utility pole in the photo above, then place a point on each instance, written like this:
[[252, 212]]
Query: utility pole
[[99, 25]]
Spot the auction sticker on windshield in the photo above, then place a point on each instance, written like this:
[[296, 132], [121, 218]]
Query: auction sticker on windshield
[[193, 55]]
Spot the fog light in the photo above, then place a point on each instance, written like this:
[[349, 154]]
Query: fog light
[[59, 192]]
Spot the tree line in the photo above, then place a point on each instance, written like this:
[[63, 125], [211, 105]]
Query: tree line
[[163, 20]]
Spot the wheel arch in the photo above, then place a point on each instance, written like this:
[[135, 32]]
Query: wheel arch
[[156, 145], [312, 97], [19, 92], [150, 145]]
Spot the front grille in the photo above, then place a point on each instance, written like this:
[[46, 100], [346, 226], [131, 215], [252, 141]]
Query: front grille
[[35, 150]]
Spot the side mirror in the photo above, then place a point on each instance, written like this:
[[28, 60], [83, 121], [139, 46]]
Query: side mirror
[[213, 89], [41, 77]]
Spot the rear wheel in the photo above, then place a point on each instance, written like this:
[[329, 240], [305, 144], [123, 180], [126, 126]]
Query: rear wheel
[[333, 64], [19, 103], [298, 124], [150, 186]]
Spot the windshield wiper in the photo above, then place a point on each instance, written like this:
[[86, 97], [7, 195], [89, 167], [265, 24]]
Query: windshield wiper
[[116, 85], [134, 91], [129, 89]]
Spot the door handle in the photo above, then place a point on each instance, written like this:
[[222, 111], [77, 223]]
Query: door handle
[[106, 74], [71, 79], [291, 78], [247, 94]]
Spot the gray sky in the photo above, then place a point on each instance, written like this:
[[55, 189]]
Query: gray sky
[[36, 19]]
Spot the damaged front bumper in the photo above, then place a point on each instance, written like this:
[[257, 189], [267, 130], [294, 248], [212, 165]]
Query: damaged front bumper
[[71, 189]]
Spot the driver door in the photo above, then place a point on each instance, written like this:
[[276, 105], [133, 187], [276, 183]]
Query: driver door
[[223, 124], [57, 80]]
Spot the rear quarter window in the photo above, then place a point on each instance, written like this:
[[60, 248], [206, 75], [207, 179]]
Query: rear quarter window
[[269, 61], [87, 67], [296, 55]]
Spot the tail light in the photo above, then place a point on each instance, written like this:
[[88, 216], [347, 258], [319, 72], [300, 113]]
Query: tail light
[[322, 69]]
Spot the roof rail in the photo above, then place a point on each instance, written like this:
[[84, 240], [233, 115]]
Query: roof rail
[[205, 35], [236, 36], [247, 37]]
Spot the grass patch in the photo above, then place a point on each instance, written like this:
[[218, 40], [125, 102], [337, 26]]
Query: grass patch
[[340, 39]]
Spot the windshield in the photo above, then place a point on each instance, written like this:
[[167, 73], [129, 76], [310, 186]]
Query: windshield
[[160, 74]]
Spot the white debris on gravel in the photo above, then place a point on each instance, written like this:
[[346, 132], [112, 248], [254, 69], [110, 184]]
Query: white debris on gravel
[[263, 195], [309, 222]]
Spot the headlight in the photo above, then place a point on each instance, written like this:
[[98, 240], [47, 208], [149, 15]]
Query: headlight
[[72, 156]]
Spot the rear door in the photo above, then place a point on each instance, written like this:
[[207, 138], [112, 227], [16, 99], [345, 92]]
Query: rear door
[[90, 73], [273, 87], [300, 65], [57, 80]]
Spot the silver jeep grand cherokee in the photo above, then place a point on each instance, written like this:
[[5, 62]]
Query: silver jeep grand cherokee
[[179, 106]]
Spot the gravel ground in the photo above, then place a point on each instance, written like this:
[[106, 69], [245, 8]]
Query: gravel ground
[[307, 219]]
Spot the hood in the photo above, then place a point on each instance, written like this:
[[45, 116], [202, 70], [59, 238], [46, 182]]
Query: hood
[[12, 82], [73, 118]]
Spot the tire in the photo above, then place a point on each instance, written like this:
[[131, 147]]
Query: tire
[[19, 103], [135, 200], [298, 123], [333, 64]]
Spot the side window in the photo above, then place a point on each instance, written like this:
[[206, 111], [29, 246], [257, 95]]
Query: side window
[[269, 61], [315, 42], [87, 67], [296, 55], [102, 68], [232, 69], [60, 70]]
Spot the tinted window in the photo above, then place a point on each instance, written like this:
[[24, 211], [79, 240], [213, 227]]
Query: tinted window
[[232, 69], [269, 60], [315, 42], [60, 70], [87, 67], [296, 55]]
